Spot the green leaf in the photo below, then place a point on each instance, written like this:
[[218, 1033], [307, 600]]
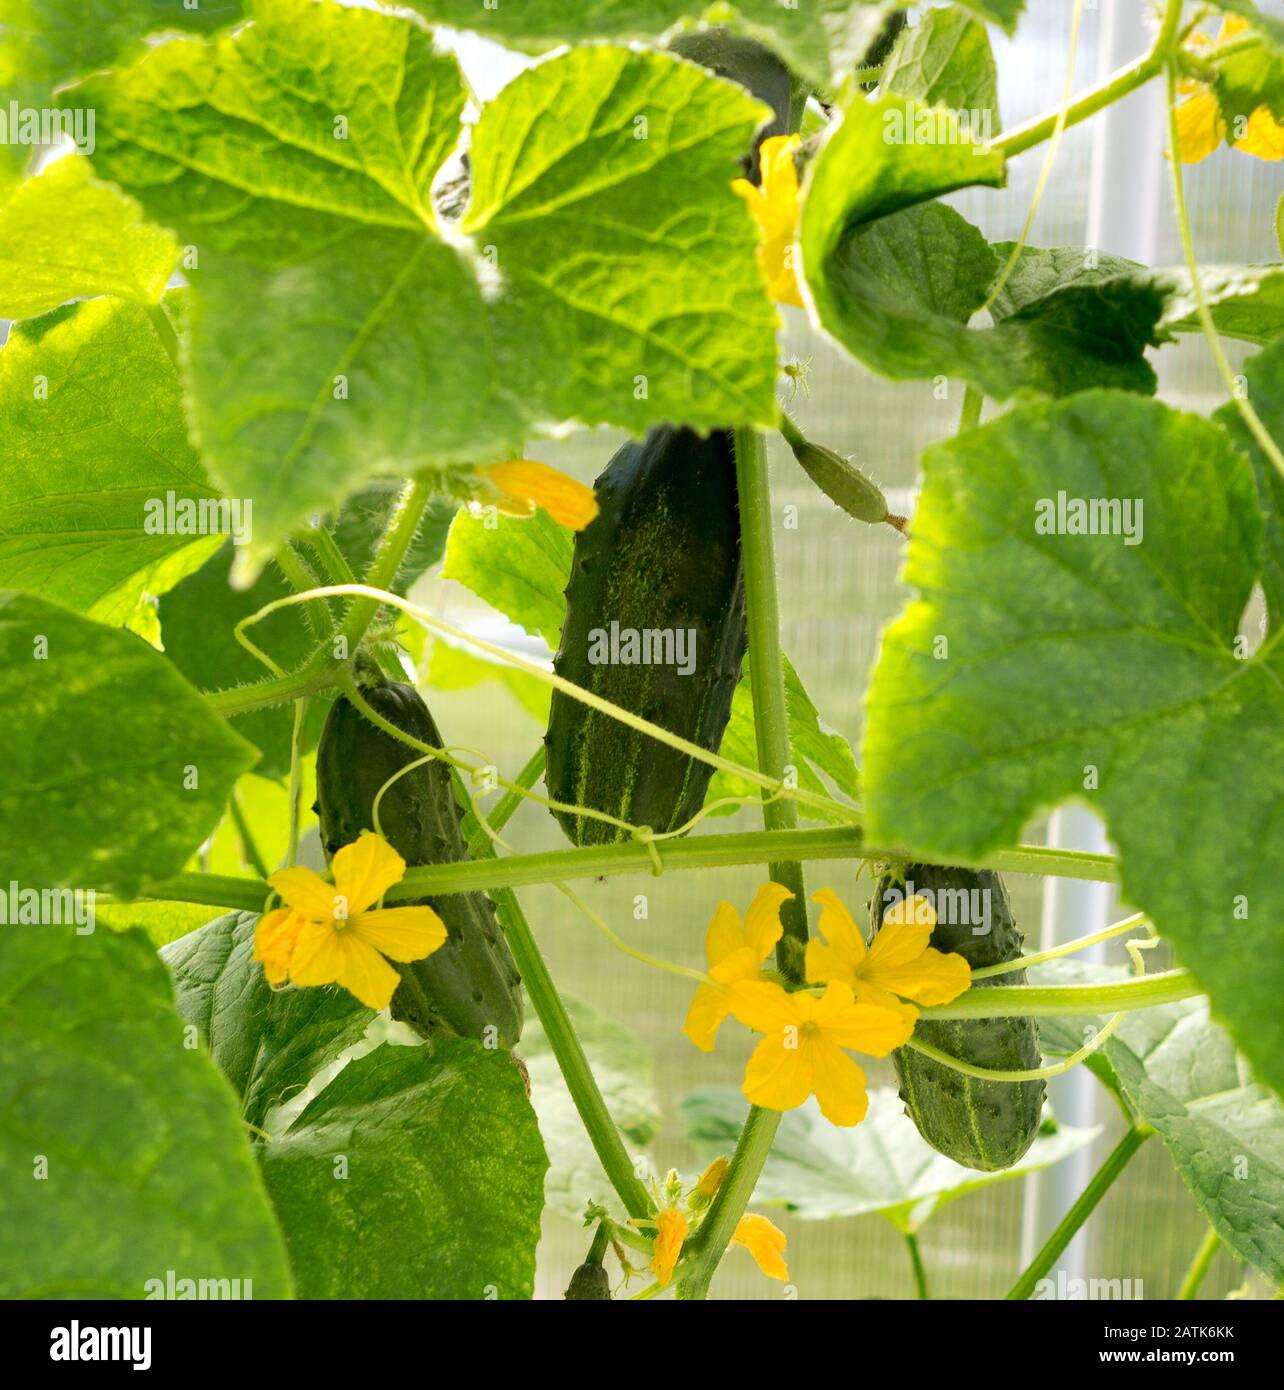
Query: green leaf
[[815, 748], [1264, 373], [945, 60], [1079, 666], [115, 768], [147, 1170], [1253, 75], [64, 235], [1246, 301], [268, 1043], [417, 1173], [337, 334], [818, 40], [93, 446], [458, 668], [1180, 1073], [197, 618], [623, 1068], [53, 40], [899, 292], [519, 566], [820, 1171]]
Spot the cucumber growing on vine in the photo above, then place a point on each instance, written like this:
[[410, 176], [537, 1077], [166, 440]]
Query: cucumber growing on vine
[[982, 1124], [655, 623], [471, 985]]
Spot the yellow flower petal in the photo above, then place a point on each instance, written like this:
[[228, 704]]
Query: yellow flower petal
[[779, 1075], [319, 957], [762, 922], [764, 1006], [842, 954], [705, 1016], [670, 1233], [1199, 127], [1264, 137], [765, 1242], [933, 977], [274, 940], [401, 933], [724, 935], [838, 1082], [774, 207], [739, 965], [365, 870], [526, 482], [305, 891], [711, 1178], [365, 973]]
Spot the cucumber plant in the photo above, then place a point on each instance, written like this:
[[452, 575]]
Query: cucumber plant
[[300, 286]]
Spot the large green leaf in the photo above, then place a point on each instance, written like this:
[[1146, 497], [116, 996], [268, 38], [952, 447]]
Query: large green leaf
[[604, 271], [1245, 301], [115, 768], [623, 1069], [417, 1173], [899, 292], [945, 60], [64, 235], [1251, 74], [93, 446], [1180, 1073], [1038, 667], [124, 1156], [820, 1171], [520, 566], [268, 1043]]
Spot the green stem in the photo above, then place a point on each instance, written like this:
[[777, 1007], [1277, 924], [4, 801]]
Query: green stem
[[1118, 84], [301, 580], [1199, 1265], [507, 805], [274, 690], [1079, 1213], [1065, 1001], [333, 561], [916, 1260], [251, 851], [386, 563], [771, 728], [766, 678], [970, 415], [1248, 414], [732, 850]]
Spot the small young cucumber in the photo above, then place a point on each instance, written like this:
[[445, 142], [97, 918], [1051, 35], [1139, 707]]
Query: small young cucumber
[[981, 1124], [655, 623], [471, 985]]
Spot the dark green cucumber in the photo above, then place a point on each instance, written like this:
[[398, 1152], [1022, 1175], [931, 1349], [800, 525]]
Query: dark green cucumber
[[470, 985], [589, 1284], [661, 557], [981, 1124]]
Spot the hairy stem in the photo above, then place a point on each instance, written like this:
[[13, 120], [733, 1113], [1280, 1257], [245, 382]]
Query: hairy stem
[[1199, 1265]]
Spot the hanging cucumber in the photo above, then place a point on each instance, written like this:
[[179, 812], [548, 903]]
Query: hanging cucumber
[[471, 985], [655, 622], [981, 1124]]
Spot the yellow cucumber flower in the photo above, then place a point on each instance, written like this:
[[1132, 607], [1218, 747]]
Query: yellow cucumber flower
[[765, 1242], [774, 207], [671, 1231], [524, 485], [1201, 127], [734, 952], [899, 963], [710, 1181], [802, 1053], [327, 933]]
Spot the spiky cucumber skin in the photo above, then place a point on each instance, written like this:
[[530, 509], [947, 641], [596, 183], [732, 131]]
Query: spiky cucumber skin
[[981, 1124], [662, 553], [470, 983]]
